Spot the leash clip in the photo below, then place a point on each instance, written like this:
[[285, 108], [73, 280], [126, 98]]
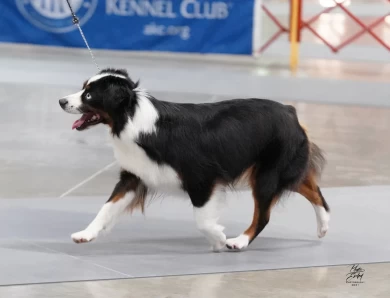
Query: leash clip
[[75, 20]]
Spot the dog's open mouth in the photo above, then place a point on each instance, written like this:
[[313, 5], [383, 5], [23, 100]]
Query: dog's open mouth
[[88, 119]]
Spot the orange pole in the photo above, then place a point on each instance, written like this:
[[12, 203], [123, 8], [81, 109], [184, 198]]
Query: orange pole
[[294, 33]]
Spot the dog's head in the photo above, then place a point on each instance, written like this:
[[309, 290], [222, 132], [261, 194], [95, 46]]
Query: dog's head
[[105, 98]]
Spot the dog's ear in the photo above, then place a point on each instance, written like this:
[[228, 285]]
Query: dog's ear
[[122, 72], [119, 96]]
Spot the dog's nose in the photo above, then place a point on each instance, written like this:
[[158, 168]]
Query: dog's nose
[[63, 102]]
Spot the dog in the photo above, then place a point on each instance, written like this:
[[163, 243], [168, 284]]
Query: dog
[[200, 151]]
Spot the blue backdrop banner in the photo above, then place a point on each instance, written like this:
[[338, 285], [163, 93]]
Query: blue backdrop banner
[[200, 26]]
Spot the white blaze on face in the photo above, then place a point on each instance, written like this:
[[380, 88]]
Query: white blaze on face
[[74, 103]]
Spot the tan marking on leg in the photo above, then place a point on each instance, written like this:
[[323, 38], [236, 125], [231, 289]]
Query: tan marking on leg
[[308, 189], [250, 232], [117, 197], [139, 200], [312, 193]]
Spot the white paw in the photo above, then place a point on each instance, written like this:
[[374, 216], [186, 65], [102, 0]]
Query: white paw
[[219, 244], [238, 243], [322, 220], [322, 229], [84, 236], [215, 236]]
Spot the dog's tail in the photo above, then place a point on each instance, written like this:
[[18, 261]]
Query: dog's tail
[[317, 159]]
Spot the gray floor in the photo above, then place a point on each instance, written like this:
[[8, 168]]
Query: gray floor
[[35, 246]]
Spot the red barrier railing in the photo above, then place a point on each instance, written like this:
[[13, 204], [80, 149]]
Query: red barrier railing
[[281, 29], [307, 24]]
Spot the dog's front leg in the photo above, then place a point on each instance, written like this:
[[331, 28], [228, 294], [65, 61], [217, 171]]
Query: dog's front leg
[[129, 192]]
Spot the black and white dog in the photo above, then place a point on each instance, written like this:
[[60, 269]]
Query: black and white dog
[[200, 150]]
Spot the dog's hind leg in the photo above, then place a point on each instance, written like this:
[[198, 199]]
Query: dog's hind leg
[[269, 180], [265, 195], [129, 193], [310, 190]]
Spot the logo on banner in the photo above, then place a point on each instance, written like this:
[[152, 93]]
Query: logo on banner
[[54, 15], [189, 9]]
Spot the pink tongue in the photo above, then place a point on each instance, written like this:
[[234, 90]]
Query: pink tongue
[[80, 121]]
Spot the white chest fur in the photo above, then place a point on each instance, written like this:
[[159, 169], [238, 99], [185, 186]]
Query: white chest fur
[[133, 158]]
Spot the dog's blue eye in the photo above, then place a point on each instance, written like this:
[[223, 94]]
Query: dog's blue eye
[[88, 96]]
